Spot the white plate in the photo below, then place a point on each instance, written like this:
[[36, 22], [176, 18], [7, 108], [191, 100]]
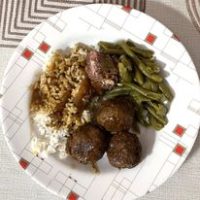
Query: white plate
[[164, 151]]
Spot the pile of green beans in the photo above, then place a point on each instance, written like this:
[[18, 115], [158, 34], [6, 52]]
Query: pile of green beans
[[140, 79]]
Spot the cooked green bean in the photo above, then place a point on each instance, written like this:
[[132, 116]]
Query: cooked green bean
[[146, 93], [146, 53], [128, 51], [144, 70], [140, 64], [164, 87], [154, 123], [131, 43], [143, 53], [118, 91], [108, 45], [140, 98], [150, 85], [154, 68], [138, 78], [126, 62], [158, 118], [112, 51], [160, 109], [124, 74], [110, 48]]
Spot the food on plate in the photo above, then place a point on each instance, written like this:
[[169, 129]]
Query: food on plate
[[101, 70], [90, 100], [59, 100], [124, 150], [116, 114], [140, 78], [87, 144]]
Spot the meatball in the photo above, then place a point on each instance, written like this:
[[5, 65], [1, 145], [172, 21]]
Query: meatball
[[87, 144], [102, 71], [116, 114], [124, 150]]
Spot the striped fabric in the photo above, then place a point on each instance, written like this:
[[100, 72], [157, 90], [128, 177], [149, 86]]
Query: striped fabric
[[18, 17], [193, 7]]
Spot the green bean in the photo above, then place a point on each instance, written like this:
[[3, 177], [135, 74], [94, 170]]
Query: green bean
[[150, 85], [124, 74], [139, 98], [140, 64], [118, 91], [154, 86], [145, 71], [133, 93], [128, 51], [143, 53], [164, 87], [126, 62], [154, 123], [153, 66], [146, 93], [148, 70], [108, 45], [110, 48], [146, 53], [138, 78], [160, 109], [131, 43], [112, 51], [158, 118]]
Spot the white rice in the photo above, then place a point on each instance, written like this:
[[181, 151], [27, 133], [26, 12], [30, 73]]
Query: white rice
[[48, 140]]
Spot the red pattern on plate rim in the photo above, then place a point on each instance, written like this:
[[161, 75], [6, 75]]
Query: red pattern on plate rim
[[150, 38], [72, 196], [27, 54], [127, 8], [44, 47], [24, 163], [179, 130], [179, 149]]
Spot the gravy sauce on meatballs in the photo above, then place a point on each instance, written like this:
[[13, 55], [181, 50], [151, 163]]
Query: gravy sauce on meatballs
[[116, 115], [87, 144]]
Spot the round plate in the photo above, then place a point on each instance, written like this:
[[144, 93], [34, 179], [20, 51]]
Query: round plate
[[163, 151]]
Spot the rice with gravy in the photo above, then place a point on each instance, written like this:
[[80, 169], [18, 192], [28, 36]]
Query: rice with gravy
[[53, 104]]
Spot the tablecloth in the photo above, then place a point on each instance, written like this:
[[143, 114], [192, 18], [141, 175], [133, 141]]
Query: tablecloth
[[18, 17]]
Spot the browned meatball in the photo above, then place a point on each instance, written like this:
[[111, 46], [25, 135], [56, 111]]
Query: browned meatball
[[102, 71], [87, 144], [124, 150], [116, 114]]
